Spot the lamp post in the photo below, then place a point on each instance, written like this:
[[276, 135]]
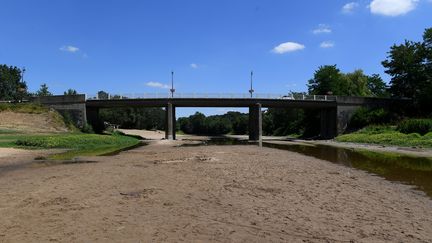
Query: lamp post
[[172, 90], [251, 85]]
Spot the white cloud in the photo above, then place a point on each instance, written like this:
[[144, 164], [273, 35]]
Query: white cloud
[[157, 85], [349, 7], [392, 7], [322, 29], [194, 65], [327, 44], [288, 47], [71, 49]]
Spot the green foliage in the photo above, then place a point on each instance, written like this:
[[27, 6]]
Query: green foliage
[[135, 118], [282, 122], [410, 66], [43, 91], [365, 116], [79, 144], [385, 135], [12, 87], [326, 81], [87, 128], [31, 108], [232, 122], [420, 126], [70, 92], [102, 95], [377, 86], [329, 80]]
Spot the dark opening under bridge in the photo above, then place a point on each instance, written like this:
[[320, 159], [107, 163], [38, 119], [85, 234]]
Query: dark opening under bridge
[[335, 110]]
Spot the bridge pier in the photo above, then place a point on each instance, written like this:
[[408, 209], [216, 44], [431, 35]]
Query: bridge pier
[[255, 123], [170, 122], [93, 119], [329, 123]]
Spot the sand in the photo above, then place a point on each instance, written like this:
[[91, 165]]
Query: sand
[[164, 193]]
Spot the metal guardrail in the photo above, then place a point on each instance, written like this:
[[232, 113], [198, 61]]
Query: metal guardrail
[[110, 96]]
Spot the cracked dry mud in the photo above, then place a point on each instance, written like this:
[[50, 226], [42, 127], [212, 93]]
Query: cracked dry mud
[[165, 193]]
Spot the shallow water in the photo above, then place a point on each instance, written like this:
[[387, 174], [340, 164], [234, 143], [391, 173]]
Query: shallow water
[[416, 171]]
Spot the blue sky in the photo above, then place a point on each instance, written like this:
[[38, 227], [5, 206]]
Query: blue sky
[[131, 46]]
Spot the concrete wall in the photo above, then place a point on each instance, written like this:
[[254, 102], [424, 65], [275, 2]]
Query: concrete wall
[[70, 106], [347, 106]]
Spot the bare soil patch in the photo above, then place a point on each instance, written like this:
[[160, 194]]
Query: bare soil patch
[[33, 123], [164, 193]]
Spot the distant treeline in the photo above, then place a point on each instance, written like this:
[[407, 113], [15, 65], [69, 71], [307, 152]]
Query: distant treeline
[[232, 122], [135, 118]]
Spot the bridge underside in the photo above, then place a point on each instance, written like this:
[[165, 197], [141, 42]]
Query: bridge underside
[[255, 111]]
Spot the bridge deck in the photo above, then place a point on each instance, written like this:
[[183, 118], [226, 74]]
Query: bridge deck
[[211, 102]]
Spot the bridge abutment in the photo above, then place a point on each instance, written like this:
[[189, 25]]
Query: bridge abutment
[[255, 123], [329, 123], [170, 122]]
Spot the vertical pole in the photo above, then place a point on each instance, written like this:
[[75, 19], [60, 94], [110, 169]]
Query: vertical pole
[[169, 120], [251, 85], [255, 123], [172, 90]]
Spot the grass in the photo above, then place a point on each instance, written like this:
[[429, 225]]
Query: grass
[[77, 144], [385, 135], [24, 108]]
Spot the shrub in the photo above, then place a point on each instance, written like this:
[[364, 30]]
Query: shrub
[[364, 116], [421, 126], [87, 128]]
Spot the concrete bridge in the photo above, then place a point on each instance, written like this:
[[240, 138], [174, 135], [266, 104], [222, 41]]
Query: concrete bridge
[[335, 111]]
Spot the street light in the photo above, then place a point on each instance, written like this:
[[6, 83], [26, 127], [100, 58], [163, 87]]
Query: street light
[[172, 90], [251, 88]]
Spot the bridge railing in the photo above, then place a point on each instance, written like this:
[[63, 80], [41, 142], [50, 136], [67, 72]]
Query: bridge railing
[[113, 96]]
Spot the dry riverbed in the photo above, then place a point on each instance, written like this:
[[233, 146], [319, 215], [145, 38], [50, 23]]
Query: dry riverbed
[[162, 192]]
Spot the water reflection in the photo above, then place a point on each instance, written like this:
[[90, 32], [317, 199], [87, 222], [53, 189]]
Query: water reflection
[[394, 167]]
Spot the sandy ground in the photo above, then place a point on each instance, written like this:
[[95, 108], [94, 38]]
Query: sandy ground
[[27, 122], [164, 193]]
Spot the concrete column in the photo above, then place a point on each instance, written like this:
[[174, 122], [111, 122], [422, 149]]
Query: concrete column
[[328, 123], [255, 123], [170, 122], [93, 119]]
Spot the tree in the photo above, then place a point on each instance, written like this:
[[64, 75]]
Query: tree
[[326, 81], [102, 95], [377, 86], [354, 84], [329, 80], [43, 91], [12, 87], [70, 92], [410, 66], [405, 64]]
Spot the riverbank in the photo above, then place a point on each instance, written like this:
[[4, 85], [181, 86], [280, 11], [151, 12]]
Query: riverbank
[[162, 192], [72, 144]]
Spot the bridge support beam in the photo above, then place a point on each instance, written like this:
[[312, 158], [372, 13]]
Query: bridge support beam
[[94, 120], [329, 123], [255, 123], [170, 122]]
